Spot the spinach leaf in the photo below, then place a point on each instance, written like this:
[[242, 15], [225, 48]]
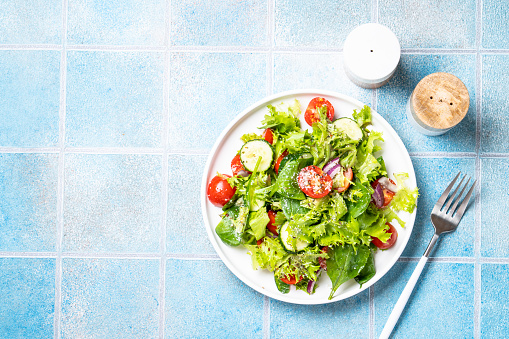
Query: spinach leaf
[[226, 229], [291, 207], [281, 286], [361, 201], [368, 271], [287, 181], [345, 263]]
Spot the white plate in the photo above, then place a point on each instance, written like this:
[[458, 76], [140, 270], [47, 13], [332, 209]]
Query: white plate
[[236, 258]]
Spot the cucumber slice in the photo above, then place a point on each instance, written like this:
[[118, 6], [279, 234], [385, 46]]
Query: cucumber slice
[[349, 127], [289, 242], [254, 149]]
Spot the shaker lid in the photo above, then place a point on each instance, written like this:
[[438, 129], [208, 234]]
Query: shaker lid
[[440, 100]]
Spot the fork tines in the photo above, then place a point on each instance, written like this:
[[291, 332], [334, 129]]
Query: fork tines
[[455, 198]]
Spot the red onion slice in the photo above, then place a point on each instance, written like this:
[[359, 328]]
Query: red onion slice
[[335, 170], [385, 182], [378, 196], [243, 173], [311, 285], [330, 165]]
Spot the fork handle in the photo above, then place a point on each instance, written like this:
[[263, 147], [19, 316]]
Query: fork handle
[[400, 305]]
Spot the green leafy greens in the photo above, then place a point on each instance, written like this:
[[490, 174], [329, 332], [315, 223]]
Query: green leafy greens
[[336, 229]]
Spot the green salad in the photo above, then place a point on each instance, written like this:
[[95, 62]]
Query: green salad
[[306, 203]]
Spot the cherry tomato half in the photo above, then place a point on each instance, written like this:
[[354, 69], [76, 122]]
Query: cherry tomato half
[[291, 280], [314, 182], [278, 161], [270, 226], [388, 194], [237, 166], [348, 174], [385, 245], [268, 136], [219, 190], [311, 115]]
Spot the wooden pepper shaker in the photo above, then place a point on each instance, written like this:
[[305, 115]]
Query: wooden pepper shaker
[[438, 103]]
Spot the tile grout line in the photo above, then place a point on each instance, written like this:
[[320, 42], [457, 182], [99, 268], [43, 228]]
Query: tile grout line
[[374, 104], [237, 49], [266, 318], [371, 311], [477, 200], [165, 174], [160, 151], [61, 177], [443, 154], [271, 27], [477, 252], [214, 257]]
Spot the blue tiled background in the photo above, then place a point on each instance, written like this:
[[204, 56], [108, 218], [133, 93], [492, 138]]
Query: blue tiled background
[[108, 111]]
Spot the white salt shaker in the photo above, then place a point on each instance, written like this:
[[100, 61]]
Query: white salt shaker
[[371, 53]]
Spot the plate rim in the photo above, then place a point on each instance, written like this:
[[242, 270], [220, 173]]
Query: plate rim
[[203, 196]]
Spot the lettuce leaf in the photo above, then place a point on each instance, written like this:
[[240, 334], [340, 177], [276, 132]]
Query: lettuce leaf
[[405, 198], [282, 122], [258, 221], [362, 117]]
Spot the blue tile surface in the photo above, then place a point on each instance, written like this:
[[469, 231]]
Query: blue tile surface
[[494, 295], [118, 22], [495, 84], [185, 230], [431, 24], [495, 22], [442, 303], [393, 97], [317, 23], [29, 98], [27, 305], [108, 110], [28, 202], [495, 211], [433, 176], [208, 90], [310, 70], [112, 203], [32, 22], [222, 306], [107, 298], [221, 23], [114, 99], [343, 319]]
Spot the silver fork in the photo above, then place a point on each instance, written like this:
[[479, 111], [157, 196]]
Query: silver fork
[[445, 219]]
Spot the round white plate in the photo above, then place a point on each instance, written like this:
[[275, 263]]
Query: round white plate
[[236, 258]]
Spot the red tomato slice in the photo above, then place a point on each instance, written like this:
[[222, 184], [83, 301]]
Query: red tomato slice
[[268, 135], [314, 182], [219, 190], [388, 194], [259, 241], [237, 166], [348, 174], [291, 280], [311, 115], [392, 240], [270, 226], [278, 161]]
